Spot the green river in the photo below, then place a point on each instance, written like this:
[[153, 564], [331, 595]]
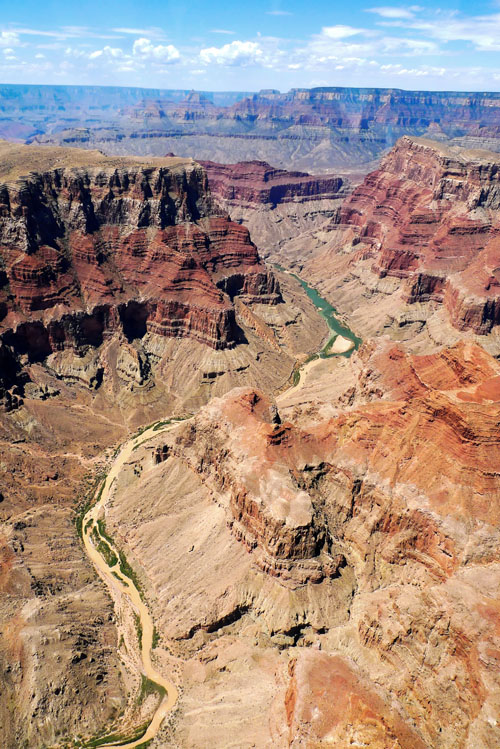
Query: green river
[[328, 312]]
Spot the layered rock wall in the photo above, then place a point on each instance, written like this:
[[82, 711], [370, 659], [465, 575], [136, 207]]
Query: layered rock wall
[[259, 183], [317, 129], [424, 227], [121, 245]]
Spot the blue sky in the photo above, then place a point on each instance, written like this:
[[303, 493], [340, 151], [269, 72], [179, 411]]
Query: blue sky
[[260, 44]]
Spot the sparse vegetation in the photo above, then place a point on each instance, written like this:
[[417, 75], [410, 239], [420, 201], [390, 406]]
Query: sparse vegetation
[[311, 357], [108, 554], [101, 524], [138, 629], [128, 571], [87, 503], [104, 550], [161, 424], [325, 351], [148, 686], [156, 638], [115, 738]]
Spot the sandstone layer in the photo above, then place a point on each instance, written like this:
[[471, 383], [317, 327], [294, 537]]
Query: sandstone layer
[[317, 530], [278, 207]]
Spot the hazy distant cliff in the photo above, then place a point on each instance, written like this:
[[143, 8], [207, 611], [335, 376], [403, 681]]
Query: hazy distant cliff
[[312, 129]]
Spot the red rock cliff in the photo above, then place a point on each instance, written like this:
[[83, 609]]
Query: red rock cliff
[[89, 245], [258, 182], [430, 216]]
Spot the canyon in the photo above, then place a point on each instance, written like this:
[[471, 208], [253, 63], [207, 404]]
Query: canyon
[[413, 250], [312, 532], [347, 595], [126, 293], [317, 130], [278, 205]]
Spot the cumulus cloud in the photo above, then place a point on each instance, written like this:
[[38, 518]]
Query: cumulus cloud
[[235, 53], [146, 50], [113, 52]]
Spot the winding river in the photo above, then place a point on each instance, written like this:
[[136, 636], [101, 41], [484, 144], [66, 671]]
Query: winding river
[[341, 342], [122, 584]]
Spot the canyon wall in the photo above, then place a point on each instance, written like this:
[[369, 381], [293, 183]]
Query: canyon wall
[[317, 129], [278, 206], [259, 183], [88, 251], [415, 246]]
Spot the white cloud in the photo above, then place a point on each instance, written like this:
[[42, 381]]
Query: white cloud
[[64, 32], [110, 52], [145, 50], [235, 53], [393, 12], [9, 39], [481, 31], [335, 44], [153, 32], [398, 45], [222, 31], [278, 13], [340, 32]]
